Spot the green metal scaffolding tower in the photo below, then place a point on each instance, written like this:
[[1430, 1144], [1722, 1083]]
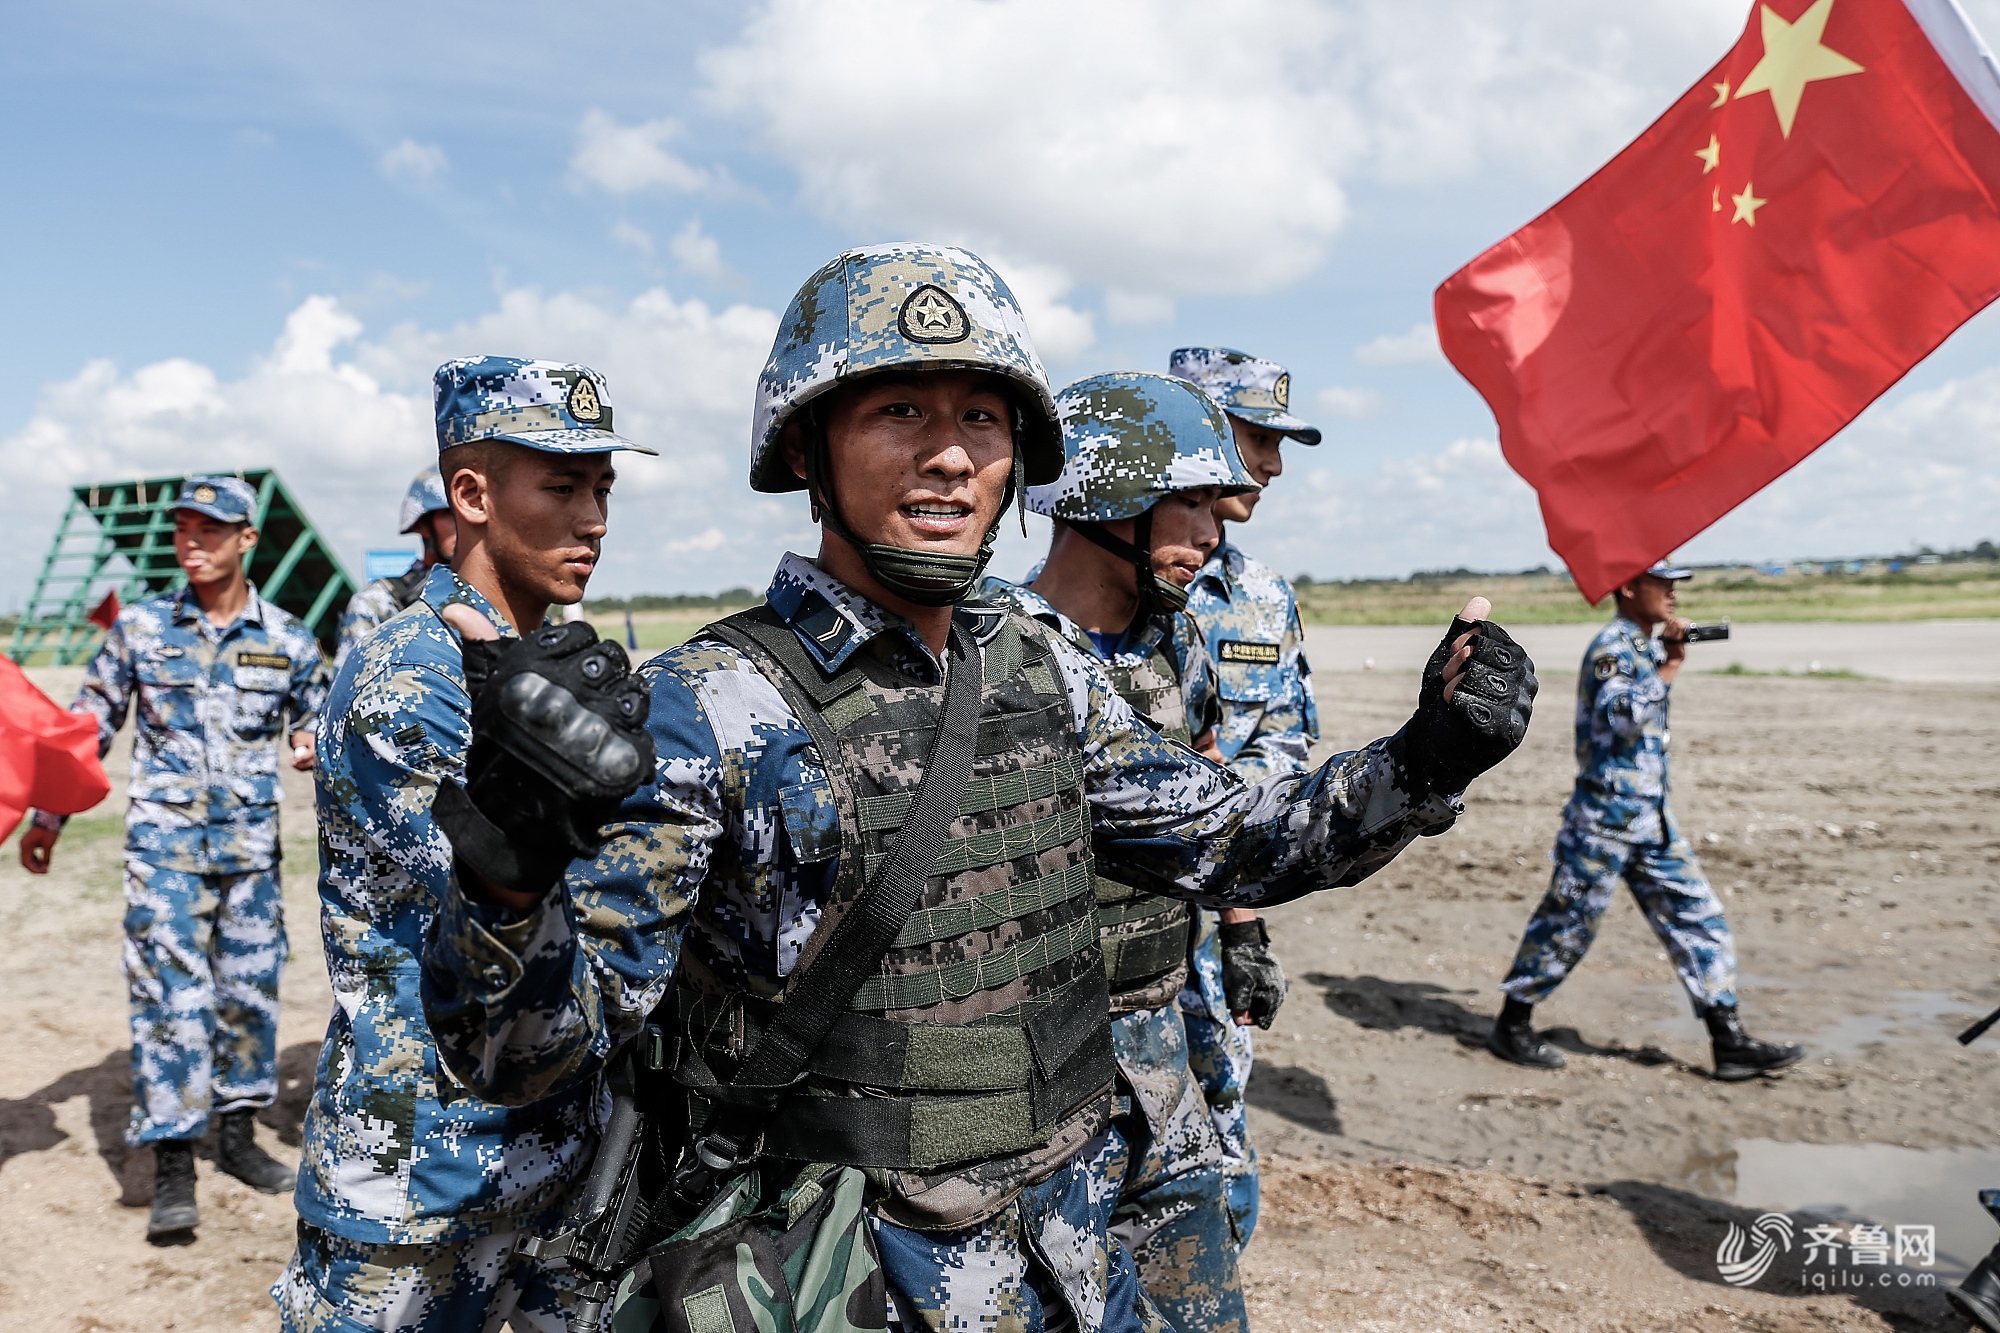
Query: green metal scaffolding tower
[[119, 536]]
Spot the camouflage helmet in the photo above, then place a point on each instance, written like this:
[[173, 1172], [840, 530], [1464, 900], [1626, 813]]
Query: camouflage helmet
[[902, 306], [426, 496], [1131, 439]]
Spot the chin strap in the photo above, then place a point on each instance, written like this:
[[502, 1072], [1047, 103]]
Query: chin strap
[[1155, 593], [928, 578]]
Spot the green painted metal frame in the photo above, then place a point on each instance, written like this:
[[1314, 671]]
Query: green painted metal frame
[[131, 523]]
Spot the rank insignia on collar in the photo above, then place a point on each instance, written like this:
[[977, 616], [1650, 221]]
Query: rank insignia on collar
[[584, 404], [931, 315], [1282, 391]]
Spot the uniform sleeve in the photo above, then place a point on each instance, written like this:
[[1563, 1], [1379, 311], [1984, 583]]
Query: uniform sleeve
[[310, 681], [1201, 692], [1288, 724], [1166, 819], [522, 1008], [107, 687], [1629, 695]]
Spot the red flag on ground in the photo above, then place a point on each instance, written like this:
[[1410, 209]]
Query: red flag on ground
[[48, 755], [105, 612], [1810, 221]]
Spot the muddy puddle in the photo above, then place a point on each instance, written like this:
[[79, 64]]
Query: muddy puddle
[[1864, 1182]]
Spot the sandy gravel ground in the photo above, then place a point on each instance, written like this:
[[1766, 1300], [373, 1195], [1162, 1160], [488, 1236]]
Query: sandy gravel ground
[[1414, 1183]]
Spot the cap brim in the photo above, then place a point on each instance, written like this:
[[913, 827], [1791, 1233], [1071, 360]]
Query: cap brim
[[1671, 575], [213, 512], [1272, 418], [574, 442]]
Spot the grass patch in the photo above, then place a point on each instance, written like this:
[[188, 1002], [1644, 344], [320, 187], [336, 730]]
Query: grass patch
[[1835, 673], [1962, 590]]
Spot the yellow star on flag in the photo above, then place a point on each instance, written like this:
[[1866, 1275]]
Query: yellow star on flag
[[1794, 57], [1747, 204], [1715, 200], [1721, 94], [1711, 155]]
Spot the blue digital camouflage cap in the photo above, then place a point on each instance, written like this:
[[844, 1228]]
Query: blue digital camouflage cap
[[229, 499], [1257, 390], [1667, 569], [553, 406], [899, 307], [1130, 439], [426, 496]]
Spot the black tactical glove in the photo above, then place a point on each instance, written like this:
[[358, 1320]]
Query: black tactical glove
[[558, 740], [1252, 981], [1444, 746]]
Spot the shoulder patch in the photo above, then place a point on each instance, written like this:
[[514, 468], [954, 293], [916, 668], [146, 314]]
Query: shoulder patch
[[1238, 650], [274, 661]]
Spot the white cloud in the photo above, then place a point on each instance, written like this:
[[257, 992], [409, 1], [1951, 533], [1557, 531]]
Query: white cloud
[[632, 235], [1175, 147], [1138, 308], [626, 158], [698, 252], [1416, 346], [1061, 331], [410, 160], [347, 420], [1353, 404]]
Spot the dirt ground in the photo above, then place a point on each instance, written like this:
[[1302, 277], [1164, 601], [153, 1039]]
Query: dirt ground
[[1412, 1182]]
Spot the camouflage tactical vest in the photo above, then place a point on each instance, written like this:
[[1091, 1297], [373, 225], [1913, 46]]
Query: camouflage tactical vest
[[979, 1058], [1144, 936]]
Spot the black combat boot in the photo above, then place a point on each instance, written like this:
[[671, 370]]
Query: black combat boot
[[1978, 1297], [237, 1153], [174, 1213], [1738, 1055], [1513, 1039]]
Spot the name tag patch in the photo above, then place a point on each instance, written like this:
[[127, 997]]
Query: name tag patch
[[1236, 650], [275, 661]]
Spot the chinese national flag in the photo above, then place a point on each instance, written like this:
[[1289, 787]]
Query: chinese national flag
[[105, 614], [48, 756], [1802, 227]]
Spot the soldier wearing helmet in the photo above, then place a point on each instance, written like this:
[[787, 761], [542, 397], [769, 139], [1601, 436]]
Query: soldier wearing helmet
[[871, 756], [1269, 719], [1147, 457], [427, 513]]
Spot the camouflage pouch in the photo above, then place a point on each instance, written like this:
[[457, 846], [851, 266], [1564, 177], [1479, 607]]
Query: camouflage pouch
[[806, 1263]]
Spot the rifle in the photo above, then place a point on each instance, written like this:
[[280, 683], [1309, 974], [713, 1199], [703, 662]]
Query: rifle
[[1978, 1030], [611, 1217]]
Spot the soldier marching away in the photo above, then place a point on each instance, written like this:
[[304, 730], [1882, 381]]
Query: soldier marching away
[[1146, 458], [1617, 826], [411, 1191], [217, 673], [427, 513], [936, 1147], [1250, 621]]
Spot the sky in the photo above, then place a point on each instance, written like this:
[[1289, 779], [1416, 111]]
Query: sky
[[244, 235]]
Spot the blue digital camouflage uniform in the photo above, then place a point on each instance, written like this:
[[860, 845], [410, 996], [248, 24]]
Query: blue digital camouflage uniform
[[1617, 826], [1257, 642], [204, 914], [528, 1009], [402, 1168], [1174, 1213], [1269, 721], [411, 1190]]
